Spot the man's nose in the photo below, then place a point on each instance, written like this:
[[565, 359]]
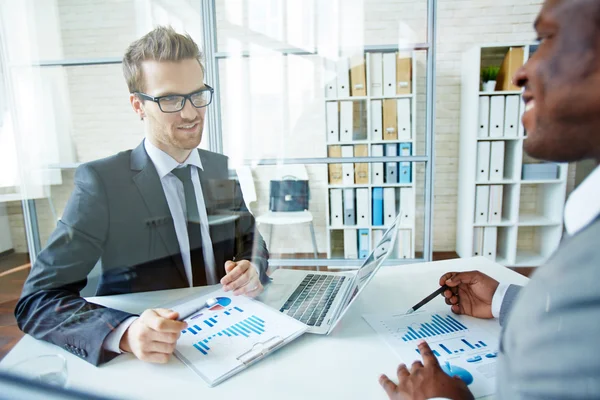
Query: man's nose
[[188, 111], [520, 78]]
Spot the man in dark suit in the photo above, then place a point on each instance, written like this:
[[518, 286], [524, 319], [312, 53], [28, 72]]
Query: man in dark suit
[[549, 344], [162, 216]]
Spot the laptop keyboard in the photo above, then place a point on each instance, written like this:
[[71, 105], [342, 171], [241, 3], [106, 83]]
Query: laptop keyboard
[[312, 299]]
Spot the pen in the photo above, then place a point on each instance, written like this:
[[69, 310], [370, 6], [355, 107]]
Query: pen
[[427, 299]]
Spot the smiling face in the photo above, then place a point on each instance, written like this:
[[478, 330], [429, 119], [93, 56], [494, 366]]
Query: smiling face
[[178, 133], [562, 83]]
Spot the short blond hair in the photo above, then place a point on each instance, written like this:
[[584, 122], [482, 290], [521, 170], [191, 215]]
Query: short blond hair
[[160, 44]]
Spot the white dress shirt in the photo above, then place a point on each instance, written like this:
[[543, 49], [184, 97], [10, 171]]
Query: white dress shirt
[[581, 209]]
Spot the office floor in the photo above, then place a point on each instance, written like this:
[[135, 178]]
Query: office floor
[[14, 269]]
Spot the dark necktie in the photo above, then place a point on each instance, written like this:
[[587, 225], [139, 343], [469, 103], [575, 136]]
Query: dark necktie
[[193, 225]]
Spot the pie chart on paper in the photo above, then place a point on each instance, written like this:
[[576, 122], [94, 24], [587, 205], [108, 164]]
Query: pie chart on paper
[[453, 370], [222, 302]]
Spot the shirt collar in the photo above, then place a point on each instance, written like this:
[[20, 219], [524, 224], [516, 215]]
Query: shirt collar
[[583, 205], [164, 163]]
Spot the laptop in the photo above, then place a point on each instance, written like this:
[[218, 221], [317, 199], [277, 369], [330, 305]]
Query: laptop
[[320, 299]]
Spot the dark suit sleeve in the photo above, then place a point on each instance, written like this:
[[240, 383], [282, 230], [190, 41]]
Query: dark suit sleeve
[[50, 307], [509, 299], [249, 243]]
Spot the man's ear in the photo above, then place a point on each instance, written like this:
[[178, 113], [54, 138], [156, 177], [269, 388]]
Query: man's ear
[[137, 105]]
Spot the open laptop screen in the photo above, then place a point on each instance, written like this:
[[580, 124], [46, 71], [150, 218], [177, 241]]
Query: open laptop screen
[[378, 255]]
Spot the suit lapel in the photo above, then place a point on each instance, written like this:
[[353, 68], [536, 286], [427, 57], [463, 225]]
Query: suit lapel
[[150, 187]]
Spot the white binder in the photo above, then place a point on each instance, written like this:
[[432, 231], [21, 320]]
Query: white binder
[[511, 116], [497, 161], [375, 75], [404, 122], [346, 121], [337, 209], [521, 129], [407, 206], [376, 120], [483, 161], [331, 77], [490, 236], [350, 243], [405, 243], [484, 116], [377, 235], [482, 201], [377, 167], [389, 206], [332, 120], [348, 167], [343, 77], [389, 74], [495, 210], [363, 219], [478, 241], [496, 116], [391, 168], [349, 207]]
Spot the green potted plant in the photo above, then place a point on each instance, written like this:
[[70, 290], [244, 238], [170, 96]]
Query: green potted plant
[[488, 77]]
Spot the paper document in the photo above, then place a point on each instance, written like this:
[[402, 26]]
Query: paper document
[[461, 347], [222, 340]]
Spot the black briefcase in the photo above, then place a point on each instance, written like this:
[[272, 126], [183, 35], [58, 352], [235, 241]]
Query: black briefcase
[[289, 195]]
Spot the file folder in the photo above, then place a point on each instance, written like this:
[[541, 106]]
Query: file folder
[[363, 243], [349, 207], [337, 208], [348, 167], [521, 129], [484, 116], [376, 74], [512, 62], [405, 172], [378, 206], [407, 206], [376, 120], [332, 121], [483, 161], [390, 120], [389, 206], [359, 120], [335, 170], [358, 77], [377, 167], [404, 120], [511, 116], [478, 241], [350, 243], [343, 77], [361, 170], [496, 116], [331, 78], [495, 210], [403, 75], [497, 161], [362, 207], [346, 121], [482, 201], [391, 168], [490, 236], [389, 74]]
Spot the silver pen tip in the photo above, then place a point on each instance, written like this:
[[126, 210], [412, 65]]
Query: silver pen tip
[[410, 311]]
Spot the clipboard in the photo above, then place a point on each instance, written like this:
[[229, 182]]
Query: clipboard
[[238, 333]]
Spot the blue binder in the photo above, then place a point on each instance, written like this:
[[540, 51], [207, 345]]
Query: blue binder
[[405, 172], [363, 243], [378, 206]]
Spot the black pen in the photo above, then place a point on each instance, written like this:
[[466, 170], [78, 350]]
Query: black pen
[[427, 299]]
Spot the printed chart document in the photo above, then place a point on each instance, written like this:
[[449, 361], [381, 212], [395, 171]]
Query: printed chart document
[[224, 339], [461, 347]]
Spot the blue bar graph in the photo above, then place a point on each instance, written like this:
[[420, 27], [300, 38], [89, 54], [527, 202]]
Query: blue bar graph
[[200, 349], [208, 323], [477, 345], [445, 349], [245, 328], [239, 309], [192, 330], [227, 313], [214, 321], [436, 353], [437, 326], [483, 344], [468, 344]]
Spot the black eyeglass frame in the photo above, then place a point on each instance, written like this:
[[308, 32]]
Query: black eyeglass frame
[[186, 97]]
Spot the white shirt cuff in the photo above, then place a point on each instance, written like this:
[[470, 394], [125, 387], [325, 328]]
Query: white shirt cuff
[[498, 299], [112, 341]]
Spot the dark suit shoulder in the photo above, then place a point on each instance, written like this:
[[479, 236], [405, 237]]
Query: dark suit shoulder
[[110, 163], [214, 164]]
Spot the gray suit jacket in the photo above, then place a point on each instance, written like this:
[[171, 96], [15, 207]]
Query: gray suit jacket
[[118, 215], [550, 347]]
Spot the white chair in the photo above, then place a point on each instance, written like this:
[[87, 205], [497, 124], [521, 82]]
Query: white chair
[[273, 218]]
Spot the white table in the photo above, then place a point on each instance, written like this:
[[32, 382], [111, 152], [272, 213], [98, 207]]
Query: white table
[[346, 364]]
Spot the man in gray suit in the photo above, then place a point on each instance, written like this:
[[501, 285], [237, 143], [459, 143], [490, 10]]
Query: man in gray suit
[[146, 215], [551, 328]]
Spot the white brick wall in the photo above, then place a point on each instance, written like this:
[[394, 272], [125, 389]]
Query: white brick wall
[[103, 123]]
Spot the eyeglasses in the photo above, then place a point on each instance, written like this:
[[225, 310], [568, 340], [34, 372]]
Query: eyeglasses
[[175, 102]]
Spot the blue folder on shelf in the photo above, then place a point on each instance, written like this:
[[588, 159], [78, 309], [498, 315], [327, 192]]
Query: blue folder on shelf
[[405, 172], [378, 206], [363, 243]]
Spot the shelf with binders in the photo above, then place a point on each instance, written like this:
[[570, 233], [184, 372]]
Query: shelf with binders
[[493, 242], [498, 162], [499, 117], [495, 205]]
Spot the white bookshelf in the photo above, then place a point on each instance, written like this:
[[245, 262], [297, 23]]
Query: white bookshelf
[[531, 223], [335, 235]]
